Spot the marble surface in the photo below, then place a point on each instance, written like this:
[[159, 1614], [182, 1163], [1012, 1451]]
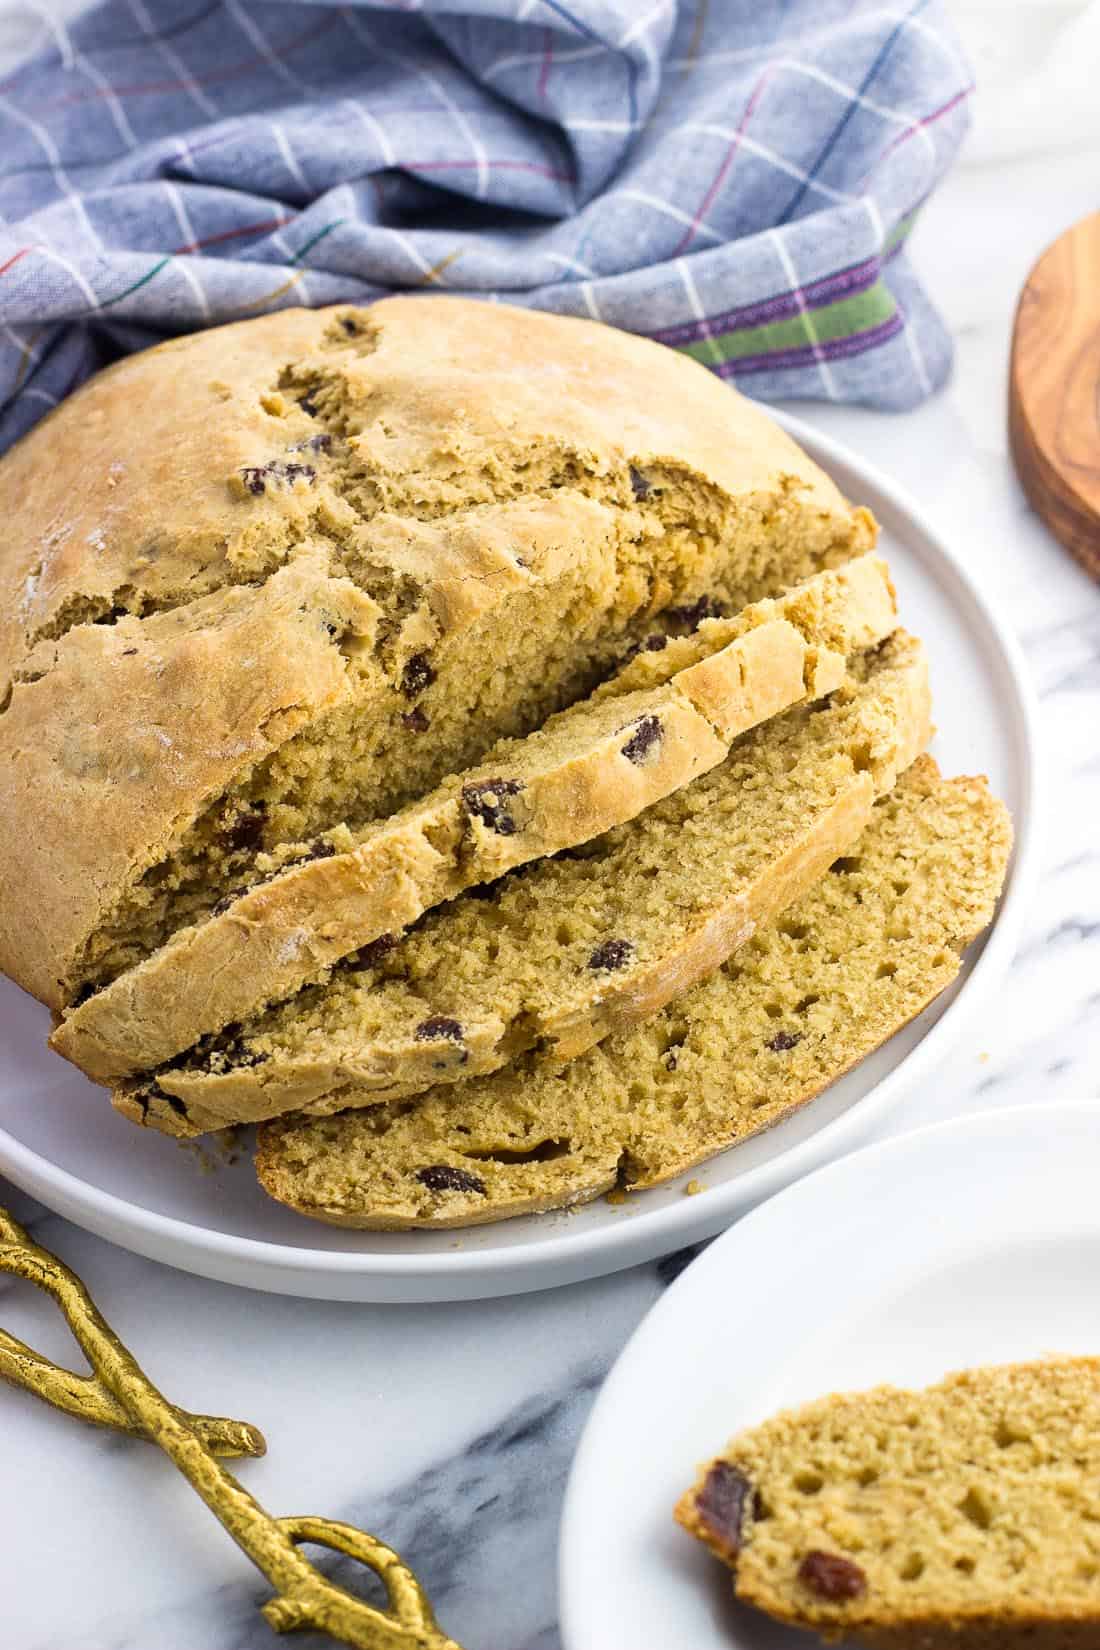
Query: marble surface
[[449, 1429]]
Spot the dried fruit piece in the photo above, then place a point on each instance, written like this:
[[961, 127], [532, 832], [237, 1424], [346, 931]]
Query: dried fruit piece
[[486, 801], [648, 732], [612, 954], [438, 1028], [783, 1040], [369, 956], [258, 477], [318, 849], [691, 617], [443, 1177], [832, 1577], [415, 720], [417, 675], [721, 1504], [246, 832]]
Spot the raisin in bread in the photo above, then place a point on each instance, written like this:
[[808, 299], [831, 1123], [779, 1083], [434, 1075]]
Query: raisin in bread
[[964, 1516], [805, 999], [558, 956], [589, 768], [289, 573]]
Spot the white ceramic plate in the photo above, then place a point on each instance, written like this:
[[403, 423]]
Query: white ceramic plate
[[60, 1141], [973, 1242]]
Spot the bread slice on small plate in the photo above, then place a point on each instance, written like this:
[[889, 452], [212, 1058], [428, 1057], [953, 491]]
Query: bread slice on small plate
[[966, 1515]]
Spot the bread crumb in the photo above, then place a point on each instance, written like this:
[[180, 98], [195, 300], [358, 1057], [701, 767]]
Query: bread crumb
[[693, 1188], [218, 1150]]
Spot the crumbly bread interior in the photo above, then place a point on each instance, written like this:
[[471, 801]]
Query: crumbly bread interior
[[842, 969], [555, 956], [967, 1513], [838, 612], [599, 553], [589, 768]]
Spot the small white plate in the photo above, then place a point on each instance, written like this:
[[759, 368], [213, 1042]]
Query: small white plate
[[972, 1242], [61, 1142]]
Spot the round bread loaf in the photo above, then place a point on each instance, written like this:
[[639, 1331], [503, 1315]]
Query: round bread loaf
[[287, 574]]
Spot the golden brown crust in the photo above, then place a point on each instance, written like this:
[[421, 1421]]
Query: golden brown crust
[[190, 474], [121, 492], [114, 731], [1034, 1629], [80, 490]]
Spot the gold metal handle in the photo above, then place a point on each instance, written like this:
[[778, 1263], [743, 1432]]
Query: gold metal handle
[[83, 1397], [118, 1393], [412, 1620]]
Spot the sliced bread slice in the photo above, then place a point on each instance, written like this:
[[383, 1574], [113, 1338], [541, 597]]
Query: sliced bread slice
[[664, 720], [966, 1515], [558, 957], [837, 974]]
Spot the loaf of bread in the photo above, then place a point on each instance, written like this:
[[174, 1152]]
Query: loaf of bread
[[560, 954], [965, 1516], [284, 576], [665, 718], [805, 999]]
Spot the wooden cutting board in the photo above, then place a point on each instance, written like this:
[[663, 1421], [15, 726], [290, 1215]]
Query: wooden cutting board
[[1054, 390]]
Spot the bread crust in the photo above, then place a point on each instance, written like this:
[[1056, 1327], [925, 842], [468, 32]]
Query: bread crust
[[102, 762]]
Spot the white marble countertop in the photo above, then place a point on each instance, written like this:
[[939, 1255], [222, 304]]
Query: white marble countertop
[[449, 1429]]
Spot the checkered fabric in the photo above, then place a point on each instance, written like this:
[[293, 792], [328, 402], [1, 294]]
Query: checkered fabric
[[734, 177]]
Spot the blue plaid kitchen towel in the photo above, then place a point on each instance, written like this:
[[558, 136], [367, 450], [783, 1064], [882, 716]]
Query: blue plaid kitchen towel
[[734, 177]]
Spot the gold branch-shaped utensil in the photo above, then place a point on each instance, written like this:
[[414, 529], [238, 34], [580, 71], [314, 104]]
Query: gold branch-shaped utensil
[[118, 1394], [84, 1397]]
